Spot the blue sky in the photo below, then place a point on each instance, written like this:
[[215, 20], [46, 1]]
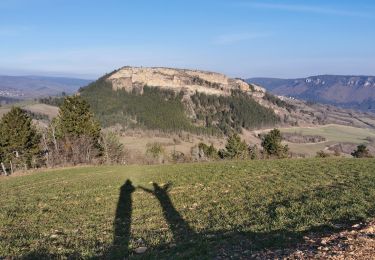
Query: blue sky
[[241, 38]]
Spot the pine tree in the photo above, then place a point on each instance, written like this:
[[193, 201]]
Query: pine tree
[[272, 144], [76, 120], [19, 140], [361, 152], [235, 148]]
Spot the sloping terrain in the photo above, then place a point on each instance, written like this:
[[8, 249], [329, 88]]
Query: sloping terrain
[[217, 210], [178, 100], [175, 100], [347, 91], [344, 139], [29, 87]]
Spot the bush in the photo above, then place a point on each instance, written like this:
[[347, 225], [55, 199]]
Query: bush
[[361, 152], [322, 154], [254, 152], [113, 150], [156, 152], [178, 157]]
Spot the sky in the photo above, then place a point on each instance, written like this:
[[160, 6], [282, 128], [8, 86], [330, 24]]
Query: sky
[[241, 38]]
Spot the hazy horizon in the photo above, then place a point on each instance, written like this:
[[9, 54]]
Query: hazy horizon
[[281, 39]]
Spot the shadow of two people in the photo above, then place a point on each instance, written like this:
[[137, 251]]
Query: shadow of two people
[[122, 222]]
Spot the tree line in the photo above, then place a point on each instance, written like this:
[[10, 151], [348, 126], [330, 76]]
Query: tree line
[[238, 149], [73, 137]]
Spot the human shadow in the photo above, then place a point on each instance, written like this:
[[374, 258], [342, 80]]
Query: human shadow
[[231, 242], [179, 227], [235, 241], [122, 222], [121, 236]]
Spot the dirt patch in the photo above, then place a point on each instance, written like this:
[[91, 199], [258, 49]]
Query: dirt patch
[[356, 242]]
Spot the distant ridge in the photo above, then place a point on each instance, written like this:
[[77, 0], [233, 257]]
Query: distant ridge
[[357, 92], [27, 87]]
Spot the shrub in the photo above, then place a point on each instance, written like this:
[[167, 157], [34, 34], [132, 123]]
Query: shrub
[[322, 154], [361, 152], [156, 151], [113, 150]]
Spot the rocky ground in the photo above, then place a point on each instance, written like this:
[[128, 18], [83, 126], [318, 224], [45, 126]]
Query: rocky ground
[[356, 242]]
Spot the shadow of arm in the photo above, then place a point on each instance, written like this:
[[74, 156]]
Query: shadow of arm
[[146, 190]]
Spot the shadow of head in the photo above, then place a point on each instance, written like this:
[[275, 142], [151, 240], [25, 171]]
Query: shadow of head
[[127, 187]]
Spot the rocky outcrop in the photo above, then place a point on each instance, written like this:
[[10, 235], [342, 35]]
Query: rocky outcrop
[[189, 81]]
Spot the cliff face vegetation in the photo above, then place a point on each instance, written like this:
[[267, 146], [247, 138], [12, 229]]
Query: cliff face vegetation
[[177, 100]]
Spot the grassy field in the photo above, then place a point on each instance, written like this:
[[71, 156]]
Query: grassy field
[[333, 133], [32, 106], [181, 211]]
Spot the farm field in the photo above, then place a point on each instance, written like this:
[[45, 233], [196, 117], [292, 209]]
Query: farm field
[[181, 211], [184, 145], [333, 133], [50, 111]]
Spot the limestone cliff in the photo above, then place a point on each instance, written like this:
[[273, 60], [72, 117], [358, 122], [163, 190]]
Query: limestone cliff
[[190, 81]]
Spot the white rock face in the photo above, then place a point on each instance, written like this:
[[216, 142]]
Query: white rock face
[[190, 81], [258, 88]]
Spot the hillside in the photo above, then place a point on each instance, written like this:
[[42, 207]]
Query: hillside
[[183, 211], [29, 87], [176, 99], [170, 99], [356, 92]]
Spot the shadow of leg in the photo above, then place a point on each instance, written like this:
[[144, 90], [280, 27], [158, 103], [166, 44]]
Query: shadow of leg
[[179, 227], [122, 222]]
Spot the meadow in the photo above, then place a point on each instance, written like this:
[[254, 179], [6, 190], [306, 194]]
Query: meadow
[[332, 133], [220, 209]]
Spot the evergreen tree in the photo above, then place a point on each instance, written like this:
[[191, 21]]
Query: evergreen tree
[[76, 120], [235, 148], [272, 144], [209, 152], [19, 140], [361, 152]]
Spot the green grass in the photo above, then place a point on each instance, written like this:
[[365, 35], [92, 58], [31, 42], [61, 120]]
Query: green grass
[[336, 133], [333, 133], [210, 209]]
